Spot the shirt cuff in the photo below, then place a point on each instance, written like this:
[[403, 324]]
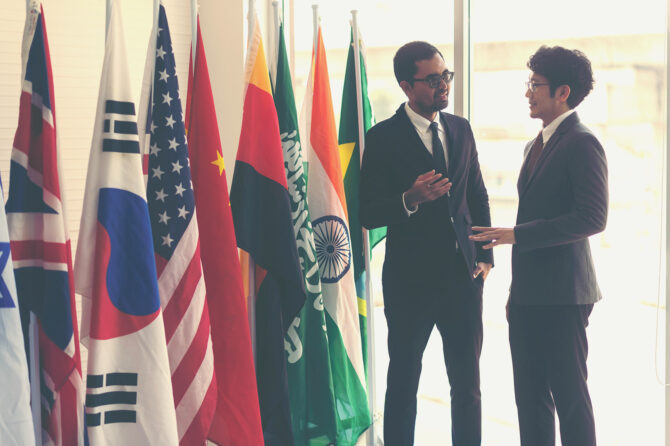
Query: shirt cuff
[[408, 210]]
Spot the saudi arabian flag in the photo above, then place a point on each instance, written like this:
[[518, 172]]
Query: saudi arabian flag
[[350, 156], [310, 381]]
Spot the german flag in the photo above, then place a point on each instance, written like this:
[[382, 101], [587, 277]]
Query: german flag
[[261, 208]]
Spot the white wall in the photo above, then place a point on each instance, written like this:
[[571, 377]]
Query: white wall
[[75, 30]]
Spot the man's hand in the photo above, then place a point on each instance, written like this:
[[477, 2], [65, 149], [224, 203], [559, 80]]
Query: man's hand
[[482, 268], [427, 187], [497, 236]]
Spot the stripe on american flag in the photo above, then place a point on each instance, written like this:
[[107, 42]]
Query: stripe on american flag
[[177, 251]]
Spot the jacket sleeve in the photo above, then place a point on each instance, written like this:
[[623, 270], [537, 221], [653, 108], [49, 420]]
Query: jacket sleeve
[[380, 197], [478, 199], [587, 177]]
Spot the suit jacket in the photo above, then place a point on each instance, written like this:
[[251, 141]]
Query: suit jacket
[[417, 245], [561, 203]]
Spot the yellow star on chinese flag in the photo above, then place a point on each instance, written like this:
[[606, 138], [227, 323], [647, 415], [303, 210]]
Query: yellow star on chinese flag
[[219, 162]]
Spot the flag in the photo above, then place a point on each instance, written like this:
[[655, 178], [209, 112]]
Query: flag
[[176, 244], [310, 380], [16, 421], [350, 155], [261, 208], [40, 243], [129, 390], [328, 208], [237, 419]]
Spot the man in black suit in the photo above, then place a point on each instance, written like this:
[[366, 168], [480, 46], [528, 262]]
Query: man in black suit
[[562, 201], [420, 177]]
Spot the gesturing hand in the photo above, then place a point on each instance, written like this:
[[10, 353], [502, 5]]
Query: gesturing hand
[[427, 187], [482, 268], [497, 236]]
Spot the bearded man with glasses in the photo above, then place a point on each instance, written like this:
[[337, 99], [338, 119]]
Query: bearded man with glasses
[[420, 176]]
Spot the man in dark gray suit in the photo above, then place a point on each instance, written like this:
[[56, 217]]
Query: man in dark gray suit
[[563, 200]]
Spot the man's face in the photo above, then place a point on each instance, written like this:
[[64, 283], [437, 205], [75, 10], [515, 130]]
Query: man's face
[[542, 104], [422, 98]]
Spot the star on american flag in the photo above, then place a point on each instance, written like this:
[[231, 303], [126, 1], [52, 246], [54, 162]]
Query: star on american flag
[[171, 200]]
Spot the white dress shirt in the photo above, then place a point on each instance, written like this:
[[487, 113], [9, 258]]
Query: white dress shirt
[[422, 127], [550, 129]]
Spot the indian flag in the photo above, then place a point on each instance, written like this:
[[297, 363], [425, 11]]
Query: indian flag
[[328, 209]]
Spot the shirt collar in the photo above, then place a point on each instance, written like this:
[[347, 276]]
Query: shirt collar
[[550, 129], [420, 123]]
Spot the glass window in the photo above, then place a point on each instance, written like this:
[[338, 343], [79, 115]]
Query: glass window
[[626, 111], [384, 27]]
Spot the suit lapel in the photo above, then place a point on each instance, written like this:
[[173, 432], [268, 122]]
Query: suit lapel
[[452, 138], [542, 161], [408, 131], [523, 173], [413, 141]]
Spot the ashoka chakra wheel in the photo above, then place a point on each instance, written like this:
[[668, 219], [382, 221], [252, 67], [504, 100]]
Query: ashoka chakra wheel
[[333, 252]]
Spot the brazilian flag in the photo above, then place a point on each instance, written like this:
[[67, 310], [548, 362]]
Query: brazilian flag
[[350, 155]]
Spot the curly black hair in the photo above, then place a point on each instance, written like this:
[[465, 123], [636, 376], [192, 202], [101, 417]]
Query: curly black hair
[[405, 59], [562, 66]]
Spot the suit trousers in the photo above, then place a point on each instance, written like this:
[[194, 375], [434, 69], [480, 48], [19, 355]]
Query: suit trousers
[[549, 351], [456, 310]]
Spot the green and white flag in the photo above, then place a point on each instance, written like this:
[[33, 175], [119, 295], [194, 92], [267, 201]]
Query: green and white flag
[[350, 156], [310, 380]]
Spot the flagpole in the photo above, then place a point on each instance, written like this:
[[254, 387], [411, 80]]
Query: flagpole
[[108, 15], [292, 33], [251, 299], [315, 19], [666, 388], [194, 30], [146, 92], [32, 10], [275, 48], [250, 20], [157, 4], [35, 378], [33, 328], [372, 390]]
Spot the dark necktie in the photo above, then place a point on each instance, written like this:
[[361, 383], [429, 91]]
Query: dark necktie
[[535, 152], [438, 151]]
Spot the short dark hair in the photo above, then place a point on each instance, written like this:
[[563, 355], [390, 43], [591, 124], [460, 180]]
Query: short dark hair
[[562, 66], [405, 59]]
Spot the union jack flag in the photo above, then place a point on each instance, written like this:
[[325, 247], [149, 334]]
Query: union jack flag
[[177, 249], [40, 244]]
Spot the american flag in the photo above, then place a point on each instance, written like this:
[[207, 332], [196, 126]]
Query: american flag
[[177, 248], [40, 244]]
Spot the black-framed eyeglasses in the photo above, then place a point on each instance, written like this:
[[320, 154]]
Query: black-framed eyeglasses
[[434, 80], [532, 86]]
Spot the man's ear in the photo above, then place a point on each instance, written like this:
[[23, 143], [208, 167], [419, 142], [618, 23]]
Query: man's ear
[[563, 93], [406, 88]]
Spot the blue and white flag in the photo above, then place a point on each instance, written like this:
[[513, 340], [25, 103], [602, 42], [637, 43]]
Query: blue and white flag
[[16, 421], [129, 390]]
